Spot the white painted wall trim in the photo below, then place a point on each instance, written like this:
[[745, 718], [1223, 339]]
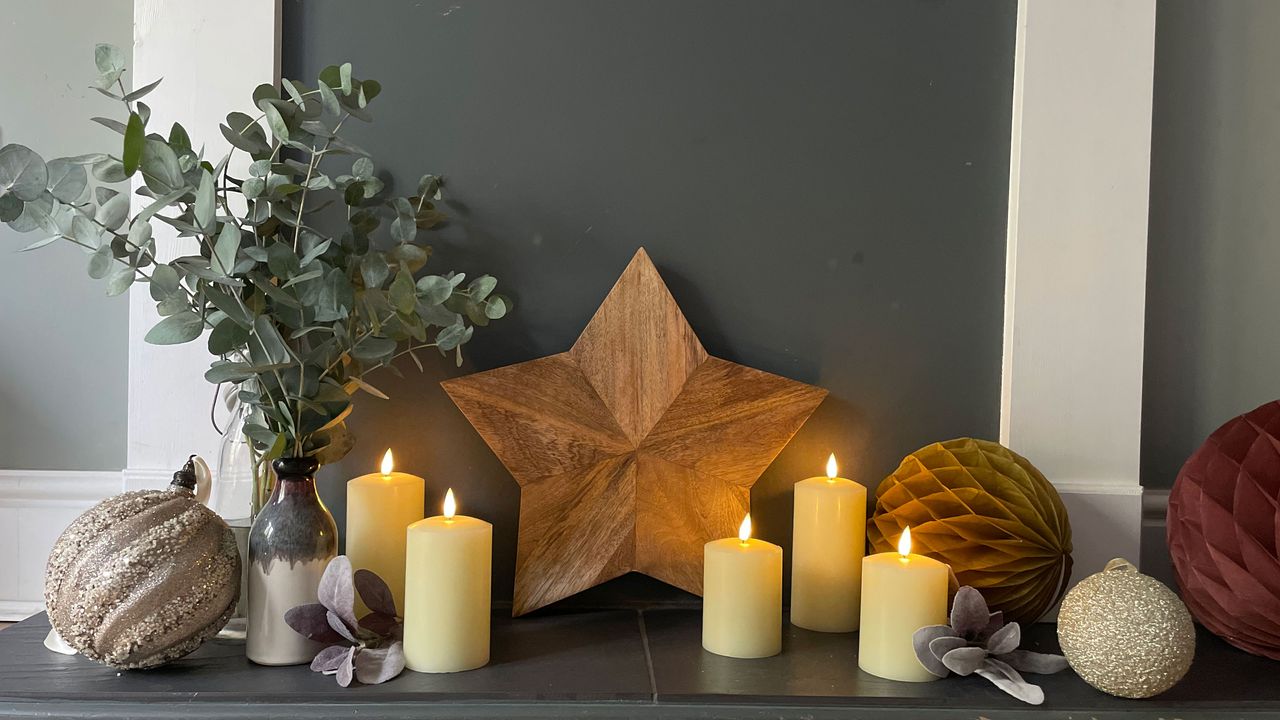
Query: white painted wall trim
[[1075, 284], [57, 488], [35, 507], [186, 43]]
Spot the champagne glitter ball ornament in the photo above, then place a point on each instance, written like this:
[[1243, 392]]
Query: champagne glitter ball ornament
[[988, 513], [144, 577], [1125, 633], [1224, 532]]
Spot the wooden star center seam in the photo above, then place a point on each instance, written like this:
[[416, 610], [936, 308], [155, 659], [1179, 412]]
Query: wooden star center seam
[[634, 448]]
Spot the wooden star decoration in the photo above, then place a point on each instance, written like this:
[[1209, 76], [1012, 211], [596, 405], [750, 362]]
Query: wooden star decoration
[[634, 448]]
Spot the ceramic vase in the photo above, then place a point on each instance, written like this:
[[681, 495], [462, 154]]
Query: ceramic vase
[[292, 540]]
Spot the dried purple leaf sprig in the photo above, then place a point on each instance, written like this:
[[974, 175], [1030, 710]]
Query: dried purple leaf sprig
[[370, 649], [978, 642]]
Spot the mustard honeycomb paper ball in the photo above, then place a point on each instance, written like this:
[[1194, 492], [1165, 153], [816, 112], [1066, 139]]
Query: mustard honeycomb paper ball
[[989, 514]]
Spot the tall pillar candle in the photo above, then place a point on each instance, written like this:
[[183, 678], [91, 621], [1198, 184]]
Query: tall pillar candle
[[742, 596], [828, 540], [447, 592], [380, 506], [901, 593]]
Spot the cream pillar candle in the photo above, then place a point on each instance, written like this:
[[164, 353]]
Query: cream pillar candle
[[828, 540], [901, 593], [446, 611], [742, 596], [380, 506]]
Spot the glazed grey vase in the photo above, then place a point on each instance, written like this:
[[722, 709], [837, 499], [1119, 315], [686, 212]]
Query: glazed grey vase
[[292, 540]]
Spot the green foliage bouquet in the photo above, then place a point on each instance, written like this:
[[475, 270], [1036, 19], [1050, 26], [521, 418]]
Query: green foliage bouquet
[[298, 317]]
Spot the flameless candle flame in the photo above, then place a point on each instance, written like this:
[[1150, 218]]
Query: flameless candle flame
[[904, 542], [387, 463], [744, 530], [831, 467], [450, 505]]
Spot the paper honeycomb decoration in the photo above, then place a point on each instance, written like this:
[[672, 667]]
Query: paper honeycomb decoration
[[989, 514], [1223, 530]]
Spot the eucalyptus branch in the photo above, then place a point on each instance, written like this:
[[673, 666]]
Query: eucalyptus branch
[[281, 295]]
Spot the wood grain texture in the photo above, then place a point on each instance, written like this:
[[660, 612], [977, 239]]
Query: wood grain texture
[[634, 448]]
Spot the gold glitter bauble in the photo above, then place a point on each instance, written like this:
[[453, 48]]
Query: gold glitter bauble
[[1126, 633], [142, 578]]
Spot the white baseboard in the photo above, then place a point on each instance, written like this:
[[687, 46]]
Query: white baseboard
[[35, 507], [57, 488], [15, 610], [1106, 522], [146, 478]]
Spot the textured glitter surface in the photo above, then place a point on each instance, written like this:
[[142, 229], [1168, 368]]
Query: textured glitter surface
[[142, 578], [1126, 633], [988, 513]]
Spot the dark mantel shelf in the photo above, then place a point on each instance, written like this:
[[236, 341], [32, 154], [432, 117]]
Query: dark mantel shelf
[[601, 664]]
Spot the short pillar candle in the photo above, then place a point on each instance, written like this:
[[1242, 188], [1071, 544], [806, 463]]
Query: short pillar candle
[[901, 593], [447, 592], [742, 596], [828, 541]]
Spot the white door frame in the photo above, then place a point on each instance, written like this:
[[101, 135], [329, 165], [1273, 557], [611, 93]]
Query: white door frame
[[212, 55], [1075, 283]]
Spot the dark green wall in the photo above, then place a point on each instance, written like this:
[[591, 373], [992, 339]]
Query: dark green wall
[[1213, 330], [822, 184]]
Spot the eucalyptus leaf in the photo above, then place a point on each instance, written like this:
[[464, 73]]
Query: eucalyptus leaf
[[374, 348], [108, 58], [275, 121], [113, 213], [22, 173], [160, 169], [164, 282], [480, 288], [140, 235], [176, 329], [267, 338], [119, 279], [205, 202], [328, 101], [10, 208], [402, 291], [110, 124], [67, 180], [225, 247], [374, 269], [134, 138], [227, 371], [41, 243], [178, 138], [100, 262], [227, 336], [109, 170]]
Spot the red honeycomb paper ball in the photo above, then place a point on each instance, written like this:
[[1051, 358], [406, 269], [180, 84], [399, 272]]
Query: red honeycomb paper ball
[[1224, 529]]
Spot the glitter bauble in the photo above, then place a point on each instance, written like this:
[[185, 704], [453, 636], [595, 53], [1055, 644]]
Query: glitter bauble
[[1126, 633], [1224, 529], [142, 578], [989, 514]]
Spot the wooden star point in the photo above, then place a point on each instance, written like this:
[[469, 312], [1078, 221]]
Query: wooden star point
[[634, 448]]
